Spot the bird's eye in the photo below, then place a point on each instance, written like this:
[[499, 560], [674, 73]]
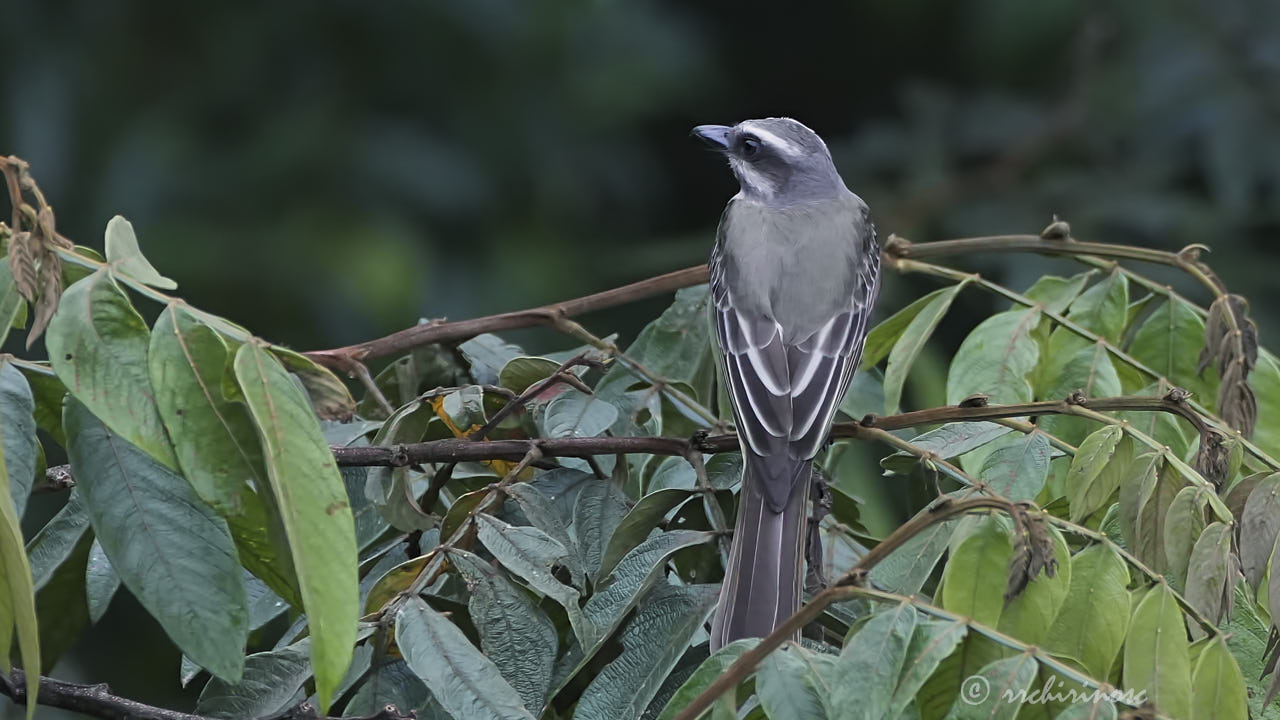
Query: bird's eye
[[750, 146]]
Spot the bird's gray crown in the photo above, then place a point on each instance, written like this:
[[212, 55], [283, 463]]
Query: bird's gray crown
[[778, 161]]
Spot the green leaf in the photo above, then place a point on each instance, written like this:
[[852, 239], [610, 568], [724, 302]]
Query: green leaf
[[466, 683], [1017, 469], [931, 642], [1099, 709], [913, 338], [171, 550], [868, 668], [11, 302], [1209, 574], [1154, 498], [1155, 653], [100, 582], [98, 347], [1072, 364], [1169, 342], [1056, 293], [531, 554], [597, 513], [329, 396], [1265, 381], [18, 445], [676, 346], [635, 573], [710, 669], [1184, 523], [488, 354], [514, 632], [638, 524], [1247, 636], [1219, 690], [883, 337], [974, 581], [391, 489], [57, 540], [1091, 623], [655, 638], [995, 359], [313, 506], [1104, 307], [272, 681], [126, 258], [1259, 527], [521, 372], [391, 683], [213, 437], [946, 441], [907, 568], [997, 691], [19, 605], [573, 413], [790, 686], [542, 513], [1088, 487]]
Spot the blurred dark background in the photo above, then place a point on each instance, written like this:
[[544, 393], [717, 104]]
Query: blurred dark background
[[327, 172]]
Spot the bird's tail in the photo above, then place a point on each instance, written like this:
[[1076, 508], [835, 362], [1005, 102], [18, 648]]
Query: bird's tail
[[765, 574]]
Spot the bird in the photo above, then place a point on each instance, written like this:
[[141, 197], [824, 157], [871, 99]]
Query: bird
[[794, 275]]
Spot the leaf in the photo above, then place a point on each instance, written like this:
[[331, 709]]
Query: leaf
[[676, 346], [907, 568], [946, 441], [868, 668], [968, 583], [1169, 342], [652, 642], [573, 413], [541, 512], [789, 686], [18, 445], [57, 540], [1088, 486], [1094, 616], [213, 437], [913, 338], [931, 642], [1072, 364], [597, 513], [997, 691], [639, 523], [488, 354], [995, 359], [1156, 495], [390, 489], [1219, 685], [1183, 525], [1209, 574], [98, 346], [272, 681], [883, 337], [521, 372], [1018, 469], [635, 573], [1265, 380], [1155, 653], [171, 550], [126, 258], [100, 582], [11, 303], [710, 669], [514, 632], [1259, 527], [392, 683], [313, 506], [466, 683], [1056, 293], [531, 554], [1103, 308], [19, 604]]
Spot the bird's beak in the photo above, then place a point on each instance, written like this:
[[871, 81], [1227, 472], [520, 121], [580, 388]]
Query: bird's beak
[[715, 137]]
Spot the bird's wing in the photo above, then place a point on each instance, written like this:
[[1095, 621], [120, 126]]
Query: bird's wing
[[785, 389]]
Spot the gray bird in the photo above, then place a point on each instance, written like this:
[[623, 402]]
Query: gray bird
[[794, 274]]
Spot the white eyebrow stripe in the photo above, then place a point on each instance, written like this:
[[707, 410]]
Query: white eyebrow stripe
[[772, 139]]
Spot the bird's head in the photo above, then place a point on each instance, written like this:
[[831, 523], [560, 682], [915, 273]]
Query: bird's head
[[777, 161]]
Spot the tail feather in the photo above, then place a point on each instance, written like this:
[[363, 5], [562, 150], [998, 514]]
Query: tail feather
[[765, 574]]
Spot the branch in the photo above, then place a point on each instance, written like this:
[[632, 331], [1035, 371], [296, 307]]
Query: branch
[[97, 701], [437, 332], [453, 450]]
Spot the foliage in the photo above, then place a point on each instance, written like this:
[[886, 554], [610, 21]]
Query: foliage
[[1107, 537]]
